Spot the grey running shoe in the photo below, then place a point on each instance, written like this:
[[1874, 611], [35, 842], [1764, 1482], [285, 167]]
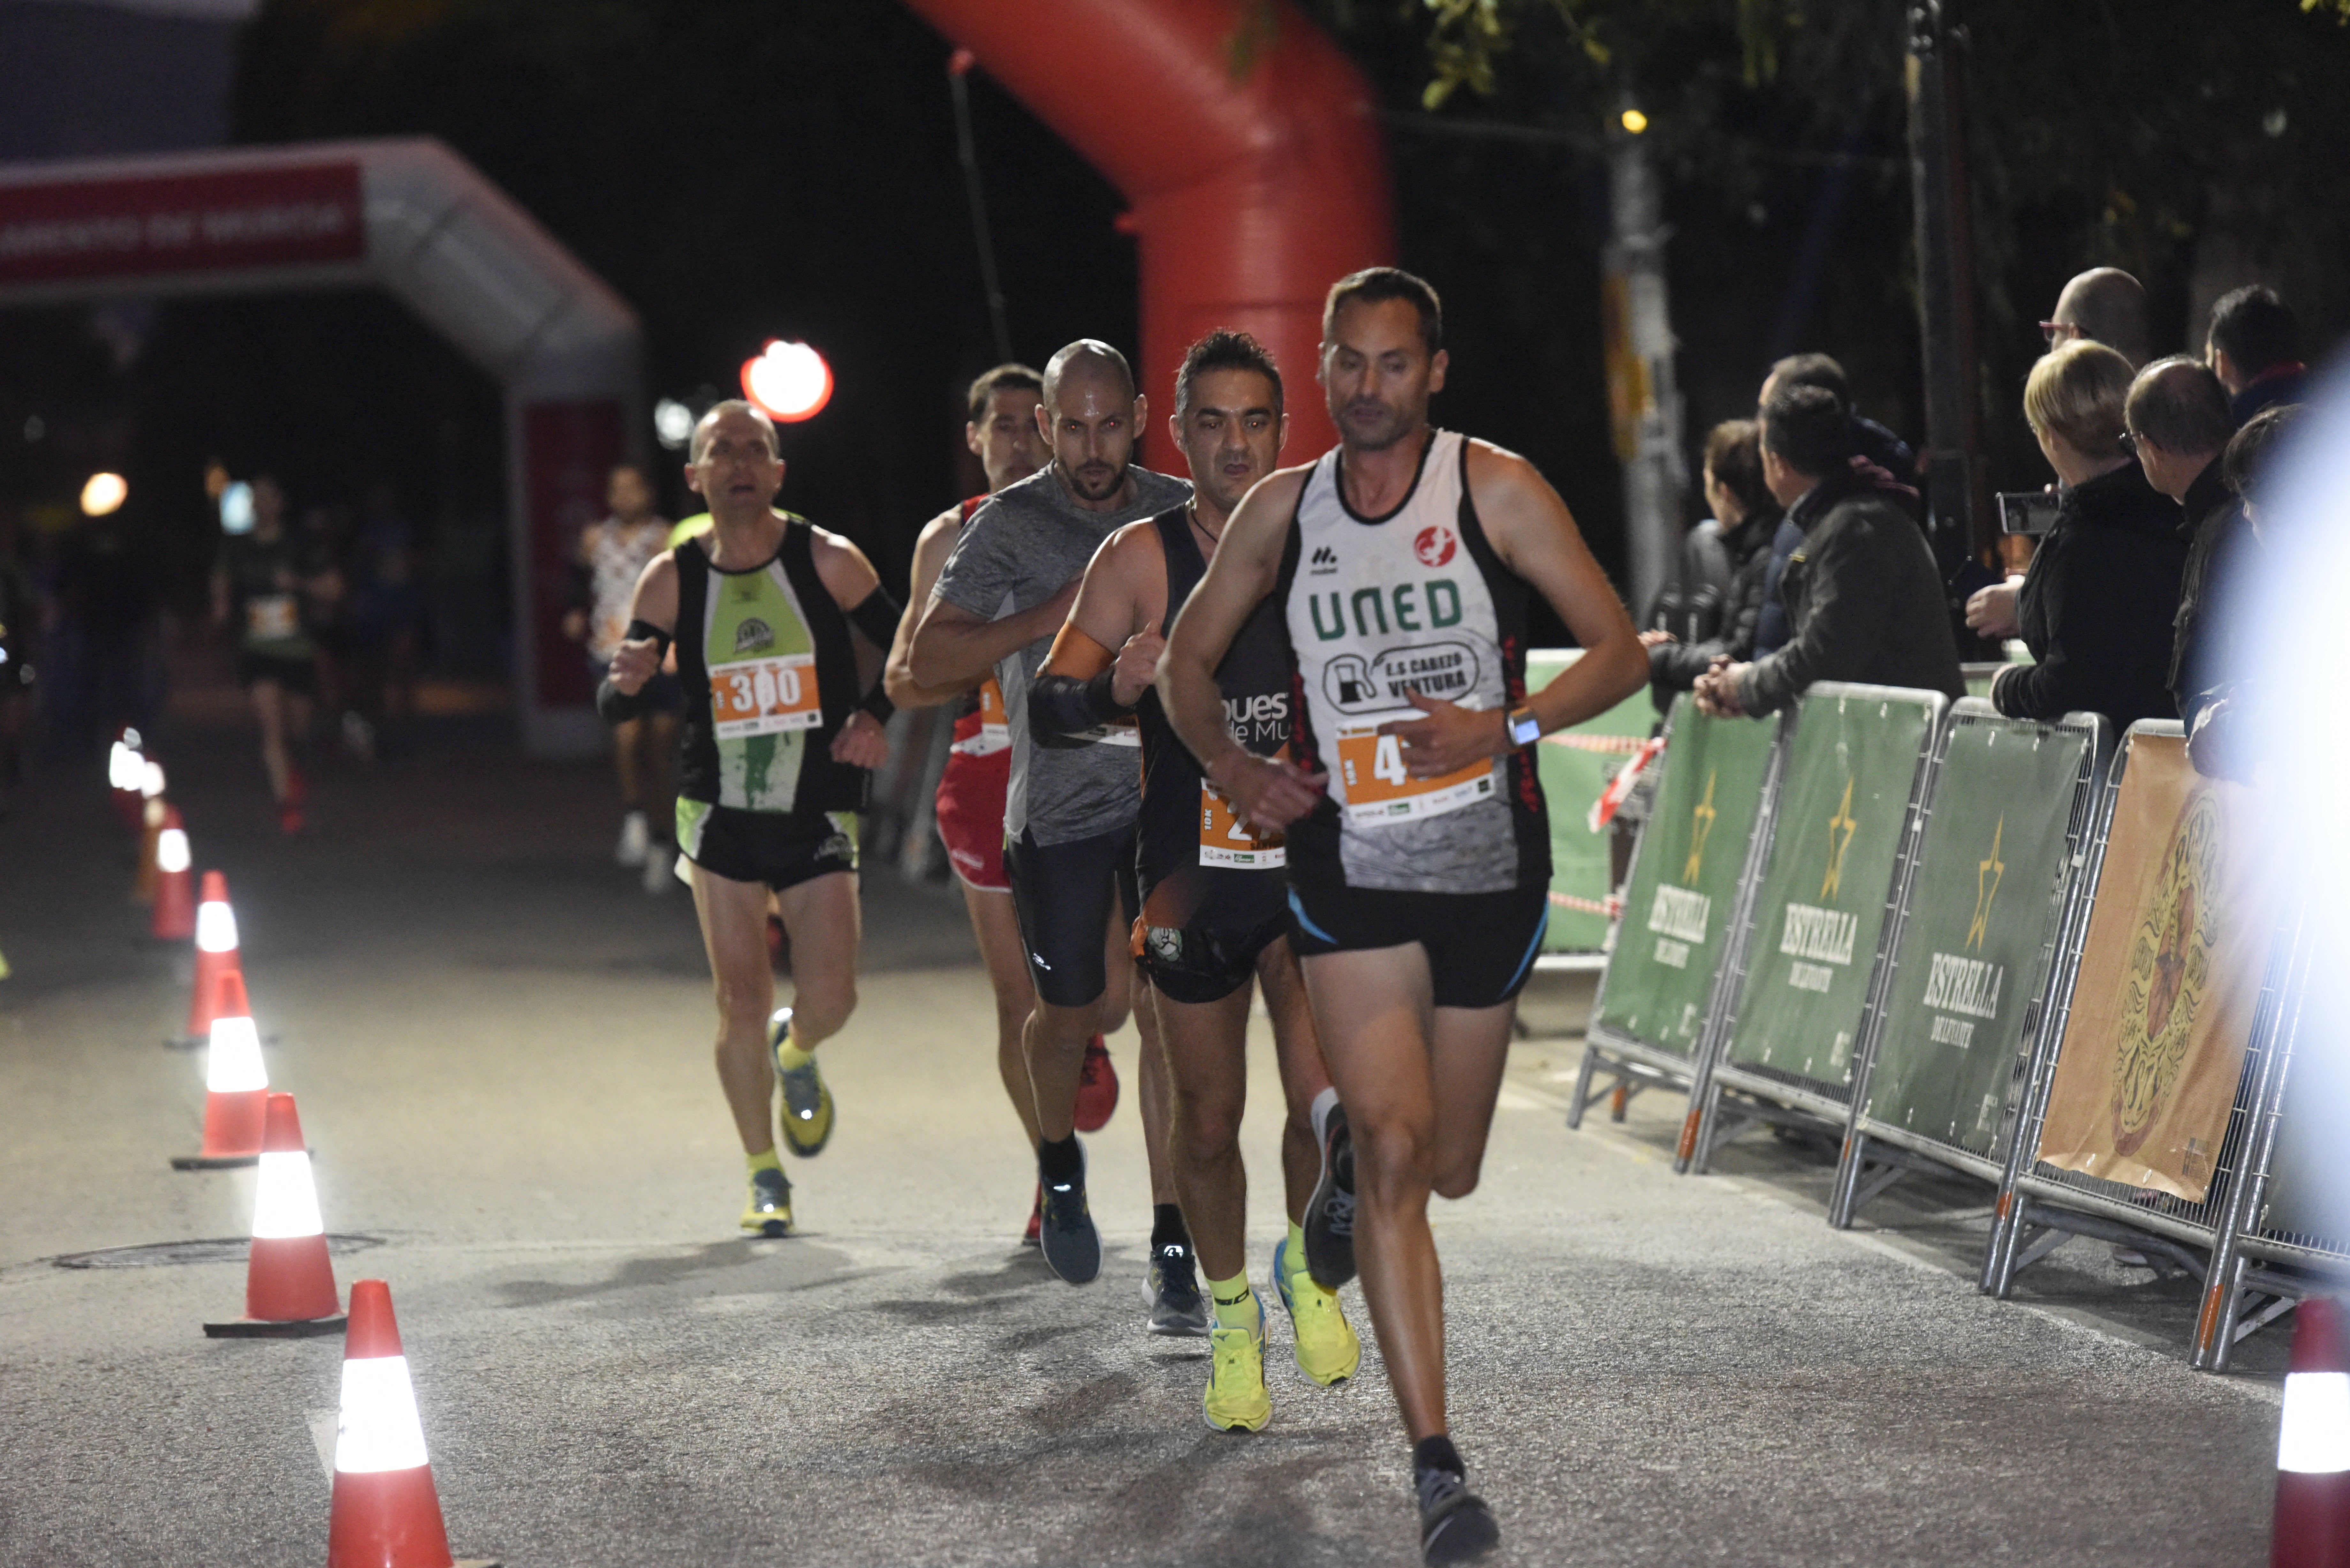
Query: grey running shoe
[[1071, 1245], [768, 1211], [1330, 1212], [1455, 1525], [1172, 1295], [806, 1121]]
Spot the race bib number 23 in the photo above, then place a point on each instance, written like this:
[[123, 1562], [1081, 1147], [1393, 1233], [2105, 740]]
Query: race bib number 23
[[764, 696], [1226, 840]]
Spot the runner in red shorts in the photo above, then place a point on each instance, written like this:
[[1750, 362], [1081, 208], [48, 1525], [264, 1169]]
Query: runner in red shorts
[[1002, 434]]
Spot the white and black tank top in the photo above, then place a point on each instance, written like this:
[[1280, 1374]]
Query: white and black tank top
[[1415, 600]]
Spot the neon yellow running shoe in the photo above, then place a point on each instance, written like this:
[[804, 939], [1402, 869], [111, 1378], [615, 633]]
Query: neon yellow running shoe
[[1236, 1399], [805, 1117], [768, 1211], [1328, 1348]]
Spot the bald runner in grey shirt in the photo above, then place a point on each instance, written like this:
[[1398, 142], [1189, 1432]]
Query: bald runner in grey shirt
[[1015, 553]]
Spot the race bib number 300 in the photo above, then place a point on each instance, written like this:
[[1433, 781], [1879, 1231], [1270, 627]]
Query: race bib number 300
[[1225, 840], [1379, 788], [764, 696]]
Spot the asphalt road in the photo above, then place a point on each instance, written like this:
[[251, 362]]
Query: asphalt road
[[500, 1048]]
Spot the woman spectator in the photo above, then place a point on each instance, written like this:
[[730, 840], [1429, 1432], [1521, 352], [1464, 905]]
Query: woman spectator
[[1728, 555], [2096, 607]]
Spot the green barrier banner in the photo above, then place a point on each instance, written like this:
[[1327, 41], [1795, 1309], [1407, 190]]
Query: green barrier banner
[[1575, 765], [1986, 900], [1821, 909], [1677, 905]]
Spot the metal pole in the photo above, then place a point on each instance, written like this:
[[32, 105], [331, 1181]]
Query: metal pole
[[1956, 475], [1643, 397]]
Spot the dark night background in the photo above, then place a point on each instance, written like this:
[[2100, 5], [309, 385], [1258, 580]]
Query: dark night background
[[746, 169]]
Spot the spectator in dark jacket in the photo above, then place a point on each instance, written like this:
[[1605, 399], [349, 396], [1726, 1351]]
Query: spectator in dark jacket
[[2254, 347], [2228, 712], [2096, 607], [1870, 440], [1735, 542], [1861, 589], [2178, 424]]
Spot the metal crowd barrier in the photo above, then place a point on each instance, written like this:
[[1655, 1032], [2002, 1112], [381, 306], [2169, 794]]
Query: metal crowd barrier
[[2278, 1243], [1686, 891], [1818, 951], [2006, 821], [2142, 1044]]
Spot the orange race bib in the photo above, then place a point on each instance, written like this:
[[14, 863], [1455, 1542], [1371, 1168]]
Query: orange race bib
[[1226, 840], [271, 617], [764, 696], [995, 726], [1380, 789]]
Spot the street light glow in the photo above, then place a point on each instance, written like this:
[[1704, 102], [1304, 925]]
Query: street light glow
[[789, 380], [1635, 122], [103, 494]]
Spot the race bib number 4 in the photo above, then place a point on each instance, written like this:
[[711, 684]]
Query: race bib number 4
[[1225, 840], [764, 696], [271, 617], [1379, 788]]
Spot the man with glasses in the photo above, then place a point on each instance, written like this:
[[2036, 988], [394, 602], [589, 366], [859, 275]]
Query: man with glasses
[[2104, 305]]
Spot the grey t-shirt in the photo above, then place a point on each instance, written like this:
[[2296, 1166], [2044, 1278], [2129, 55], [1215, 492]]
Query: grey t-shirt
[[1014, 553]]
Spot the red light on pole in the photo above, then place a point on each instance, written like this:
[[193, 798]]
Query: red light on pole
[[790, 381]]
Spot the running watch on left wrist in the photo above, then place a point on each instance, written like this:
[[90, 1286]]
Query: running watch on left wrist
[[1522, 727]]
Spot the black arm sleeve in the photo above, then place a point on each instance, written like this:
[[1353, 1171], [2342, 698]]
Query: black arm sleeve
[[1060, 706], [579, 586], [877, 615]]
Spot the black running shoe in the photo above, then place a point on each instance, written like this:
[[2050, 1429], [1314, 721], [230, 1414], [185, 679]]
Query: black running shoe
[[1455, 1525], [1171, 1290], [1330, 1212], [1071, 1245]]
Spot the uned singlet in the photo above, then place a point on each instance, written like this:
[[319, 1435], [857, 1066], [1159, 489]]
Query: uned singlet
[[1378, 606], [1198, 862], [770, 677]]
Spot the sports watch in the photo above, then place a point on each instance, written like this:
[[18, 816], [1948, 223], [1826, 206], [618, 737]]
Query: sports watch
[[1524, 727]]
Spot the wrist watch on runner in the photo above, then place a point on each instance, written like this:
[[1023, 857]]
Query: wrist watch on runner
[[1523, 728]]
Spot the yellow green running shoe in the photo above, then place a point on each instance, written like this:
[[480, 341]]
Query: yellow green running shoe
[[1236, 1399], [806, 1118], [768, 1211], [1328, 1348]]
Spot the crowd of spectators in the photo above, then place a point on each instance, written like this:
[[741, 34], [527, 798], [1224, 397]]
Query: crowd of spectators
[[1815, 564]]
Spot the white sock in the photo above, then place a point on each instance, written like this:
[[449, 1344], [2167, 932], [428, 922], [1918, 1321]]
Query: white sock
[[1324, 1102]]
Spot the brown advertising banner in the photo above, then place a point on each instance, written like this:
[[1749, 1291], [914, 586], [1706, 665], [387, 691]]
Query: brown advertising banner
[[2147, 1072]]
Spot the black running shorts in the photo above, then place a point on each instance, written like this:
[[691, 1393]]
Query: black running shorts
[[781, 850], [1481, 946], [297, 675], [1064, 894], [1206, 961]]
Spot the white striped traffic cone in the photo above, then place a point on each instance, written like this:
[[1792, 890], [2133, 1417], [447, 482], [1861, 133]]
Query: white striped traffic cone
[[216, 954], [386, 1513], [236, 1086], [289, 1282], [2313, 1495]]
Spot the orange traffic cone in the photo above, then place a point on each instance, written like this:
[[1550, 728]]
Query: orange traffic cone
[[236, 1086], [142, 886], [216, 955], [289, 1284], [386, 1513], [2313, 1495], [175, 904], [125, 768]]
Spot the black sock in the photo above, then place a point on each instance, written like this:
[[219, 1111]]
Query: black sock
[[1060, 1164], [1437, 1453], [1167, 1228]]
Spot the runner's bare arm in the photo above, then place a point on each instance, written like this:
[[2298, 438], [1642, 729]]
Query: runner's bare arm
[[1267, 792], [855, 587], [1533, 532], [931, 548], [1106, 654], [953, 646], [654, 604]]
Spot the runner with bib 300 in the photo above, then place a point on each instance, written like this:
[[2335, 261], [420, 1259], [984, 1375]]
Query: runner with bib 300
[[1419, 849], [776, 748]]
